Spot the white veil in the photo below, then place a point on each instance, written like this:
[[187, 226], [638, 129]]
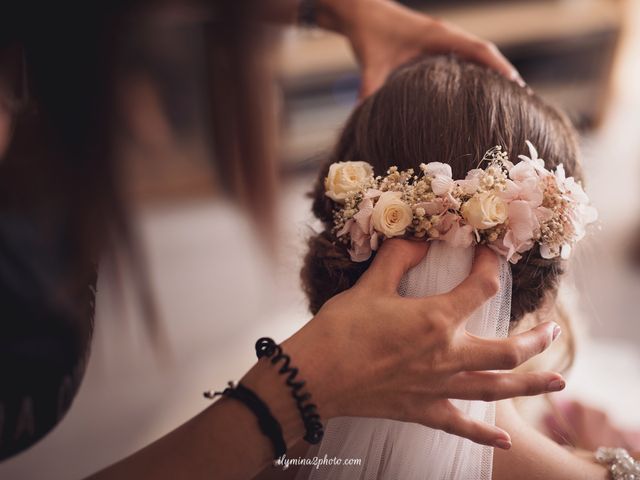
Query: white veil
[[389, 449]]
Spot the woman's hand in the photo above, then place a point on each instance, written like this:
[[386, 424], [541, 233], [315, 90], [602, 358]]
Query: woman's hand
[[384, 35], [370, 352]]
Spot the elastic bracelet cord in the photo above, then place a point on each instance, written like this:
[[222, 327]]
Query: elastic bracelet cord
[[267, 347], [269, 426]]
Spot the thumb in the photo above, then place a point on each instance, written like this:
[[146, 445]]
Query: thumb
[[392, 261]]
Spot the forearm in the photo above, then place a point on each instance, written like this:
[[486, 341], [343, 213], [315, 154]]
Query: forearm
[[533, 456], [223, 441], [330, 14]]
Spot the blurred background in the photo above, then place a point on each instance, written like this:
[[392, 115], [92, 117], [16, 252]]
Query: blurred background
[[579, 54]]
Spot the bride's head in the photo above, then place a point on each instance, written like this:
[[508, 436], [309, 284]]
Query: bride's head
[[441, 109]]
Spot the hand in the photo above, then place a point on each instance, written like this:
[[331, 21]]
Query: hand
[[370, 352], [384, 35]]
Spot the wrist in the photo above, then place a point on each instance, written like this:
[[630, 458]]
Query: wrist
[[318, 366], [265, 381], [338, 15], [284, 378]]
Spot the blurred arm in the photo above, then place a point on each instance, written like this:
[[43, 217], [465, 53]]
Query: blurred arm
[[221, 442], [384, 35], [534, 456]]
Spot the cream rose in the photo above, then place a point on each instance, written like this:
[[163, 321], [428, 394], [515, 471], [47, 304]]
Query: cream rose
[[391, 216], [346, 177], [484, 210]]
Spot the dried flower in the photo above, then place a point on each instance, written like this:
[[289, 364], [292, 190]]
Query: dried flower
[[508, 207]]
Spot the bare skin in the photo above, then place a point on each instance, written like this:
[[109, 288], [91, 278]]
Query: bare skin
[[384, 34], [407, 372], [535, 457]]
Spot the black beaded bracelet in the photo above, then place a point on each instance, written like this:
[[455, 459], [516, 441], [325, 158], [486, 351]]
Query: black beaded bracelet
[[267, 347], [269, 426]]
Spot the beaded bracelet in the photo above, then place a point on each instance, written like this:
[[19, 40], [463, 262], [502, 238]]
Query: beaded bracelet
[[621, 465], [269, 426], [266, 347]]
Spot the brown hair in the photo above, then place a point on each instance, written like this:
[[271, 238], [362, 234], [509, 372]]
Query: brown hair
[[448, 110], [59, 79]]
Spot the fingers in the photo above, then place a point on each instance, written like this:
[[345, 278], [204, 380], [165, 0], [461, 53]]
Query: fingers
[[450, 38], [392, 261], [481, 284], [504, 354], [492, 386], [453, 421], [488, 54]]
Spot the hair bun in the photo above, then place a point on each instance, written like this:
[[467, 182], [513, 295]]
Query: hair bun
[[533, 280], [328, 270]]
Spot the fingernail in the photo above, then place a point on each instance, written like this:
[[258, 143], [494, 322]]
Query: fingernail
[[502, 443], [556, 385], [515, 77], [556, 332]]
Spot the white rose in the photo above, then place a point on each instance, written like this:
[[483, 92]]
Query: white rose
[[391, 216], [346, 177], [484, 210]]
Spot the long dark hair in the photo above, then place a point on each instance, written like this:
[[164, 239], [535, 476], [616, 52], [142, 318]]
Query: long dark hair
[[447, 110], [59, 72]]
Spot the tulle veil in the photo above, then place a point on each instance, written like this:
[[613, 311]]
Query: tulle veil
[[392, 450]]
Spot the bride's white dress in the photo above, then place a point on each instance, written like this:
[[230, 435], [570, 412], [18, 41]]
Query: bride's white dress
[[389, 449]]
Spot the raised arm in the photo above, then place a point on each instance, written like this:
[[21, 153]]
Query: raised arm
[[384, 34]]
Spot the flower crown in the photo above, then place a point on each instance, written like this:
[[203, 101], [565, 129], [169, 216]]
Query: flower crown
[[508, 207]]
